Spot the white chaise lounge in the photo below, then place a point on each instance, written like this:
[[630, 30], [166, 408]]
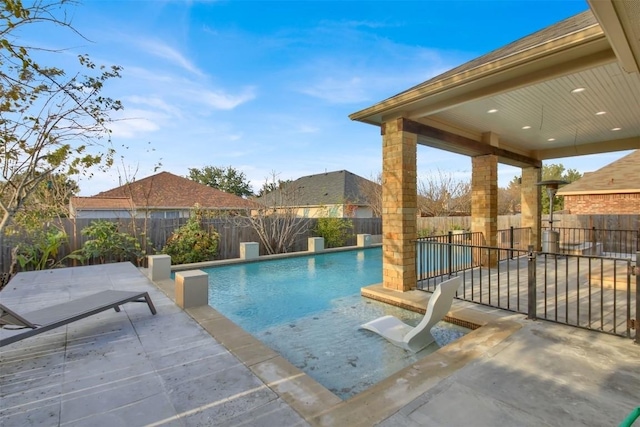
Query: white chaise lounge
[[416, 338]]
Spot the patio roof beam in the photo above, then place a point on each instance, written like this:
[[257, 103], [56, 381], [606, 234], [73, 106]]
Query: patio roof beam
[[622, 144], [438, 138]]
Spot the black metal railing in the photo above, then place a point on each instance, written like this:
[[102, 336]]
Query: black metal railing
[[597, 241], [590, 292], [488, 277], [444, 254], [514, 238], [433, 260]]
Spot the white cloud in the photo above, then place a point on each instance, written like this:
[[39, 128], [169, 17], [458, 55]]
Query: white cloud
[[338, 91], [164, 51], [308, 129], [132, 123], [221, 100], [154, 102]]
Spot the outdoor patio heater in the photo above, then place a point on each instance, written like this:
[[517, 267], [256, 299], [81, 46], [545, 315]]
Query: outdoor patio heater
[[550, 238]]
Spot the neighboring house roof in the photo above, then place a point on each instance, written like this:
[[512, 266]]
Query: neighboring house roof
[[329, 188], [102, 203], [620, 176], [166, 190]]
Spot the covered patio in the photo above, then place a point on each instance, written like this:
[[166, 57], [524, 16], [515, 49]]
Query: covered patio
[[567, 90]]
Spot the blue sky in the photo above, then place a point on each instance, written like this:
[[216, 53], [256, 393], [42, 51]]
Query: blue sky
[[267, 86]]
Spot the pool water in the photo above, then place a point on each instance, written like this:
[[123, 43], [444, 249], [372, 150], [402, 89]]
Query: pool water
[[309, 310]]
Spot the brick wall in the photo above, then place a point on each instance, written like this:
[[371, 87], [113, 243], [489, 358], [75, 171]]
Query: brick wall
[[590, 204]]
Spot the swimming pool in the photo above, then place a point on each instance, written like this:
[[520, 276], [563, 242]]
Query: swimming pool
[[309, 310]]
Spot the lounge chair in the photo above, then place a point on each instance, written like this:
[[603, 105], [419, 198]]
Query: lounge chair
[[52, 317], [416, 338]]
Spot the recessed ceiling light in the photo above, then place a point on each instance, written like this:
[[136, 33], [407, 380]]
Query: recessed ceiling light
[[551, 139], [578, 90], [526, 127], [493, 110], [616, 129], [601, 113]]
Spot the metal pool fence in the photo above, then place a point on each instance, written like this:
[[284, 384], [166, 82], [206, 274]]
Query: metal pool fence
[[600, 240], [591, 292]]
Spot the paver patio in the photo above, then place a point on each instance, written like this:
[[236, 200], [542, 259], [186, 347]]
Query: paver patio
[[135, 369]]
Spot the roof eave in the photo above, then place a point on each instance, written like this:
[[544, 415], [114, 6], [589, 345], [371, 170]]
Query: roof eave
[[609, 18], [547, 52], [596, 192]]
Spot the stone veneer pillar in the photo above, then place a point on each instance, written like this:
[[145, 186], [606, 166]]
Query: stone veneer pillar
[[399, 207], [531, 209], [484, 201]]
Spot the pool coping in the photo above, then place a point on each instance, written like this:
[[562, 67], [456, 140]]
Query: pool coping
[[231, 261], [319, 406]]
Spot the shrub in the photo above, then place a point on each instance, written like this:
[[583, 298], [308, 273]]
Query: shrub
[[42, 252], [335, 231], [107, 244], [426, 232], [192, 243]]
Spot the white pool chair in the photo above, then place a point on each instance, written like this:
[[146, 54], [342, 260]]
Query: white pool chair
[[416, 338]]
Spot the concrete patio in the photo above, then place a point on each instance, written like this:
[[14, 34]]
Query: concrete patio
[[196, 368]]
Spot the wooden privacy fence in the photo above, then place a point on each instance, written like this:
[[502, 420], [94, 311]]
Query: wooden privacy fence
[[232, 232]]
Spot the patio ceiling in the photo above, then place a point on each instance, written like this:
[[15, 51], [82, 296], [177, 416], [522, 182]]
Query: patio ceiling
[[529, 83]]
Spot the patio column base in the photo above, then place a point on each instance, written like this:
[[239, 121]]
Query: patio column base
[[249, 250], [159, 267], [316, 244], [192, 289]]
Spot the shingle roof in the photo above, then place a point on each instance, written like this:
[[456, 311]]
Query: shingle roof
[[102, 203], [621, 176], [166, 190], [327, 188]]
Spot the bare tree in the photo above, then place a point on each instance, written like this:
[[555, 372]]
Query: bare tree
[[276, 221], [509, 198], [442, 194], [371, 190]]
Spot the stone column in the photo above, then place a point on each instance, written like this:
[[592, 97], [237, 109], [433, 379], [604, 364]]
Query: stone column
[[531, 209], [484, 202], [399, 207]]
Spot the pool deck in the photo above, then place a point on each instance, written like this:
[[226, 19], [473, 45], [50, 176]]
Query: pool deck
[[196, 368]]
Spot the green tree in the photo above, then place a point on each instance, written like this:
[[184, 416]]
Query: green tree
[[226, 179], [509, 197], [269, 187], [556, 172], [50, 122]]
